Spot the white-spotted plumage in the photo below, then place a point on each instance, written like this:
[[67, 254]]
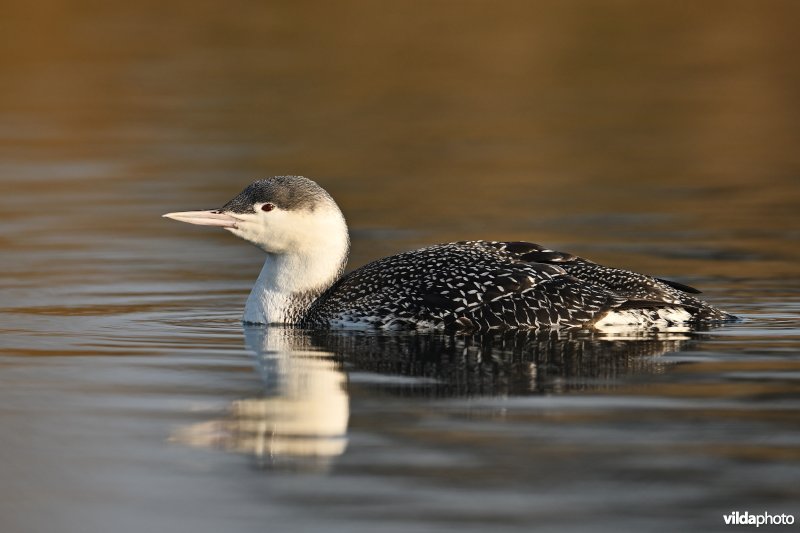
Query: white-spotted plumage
[[470, 285]]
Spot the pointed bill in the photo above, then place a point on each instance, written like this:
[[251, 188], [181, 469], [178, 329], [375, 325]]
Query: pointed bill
[[204, 218]]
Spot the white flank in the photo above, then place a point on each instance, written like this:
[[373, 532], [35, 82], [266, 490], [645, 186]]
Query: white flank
[[672, 318]]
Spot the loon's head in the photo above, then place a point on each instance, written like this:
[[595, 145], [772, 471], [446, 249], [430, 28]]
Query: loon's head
[[281, 215]]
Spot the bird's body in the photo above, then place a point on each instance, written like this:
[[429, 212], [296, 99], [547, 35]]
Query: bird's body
[[480, 285], [471, 285]]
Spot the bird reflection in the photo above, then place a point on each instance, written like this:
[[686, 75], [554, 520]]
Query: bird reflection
[[503, 363], [302, 417]]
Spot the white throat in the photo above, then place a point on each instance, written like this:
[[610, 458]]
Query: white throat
[[290, 281]]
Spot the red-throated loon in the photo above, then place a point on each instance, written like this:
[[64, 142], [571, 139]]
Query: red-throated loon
[[471, 285]]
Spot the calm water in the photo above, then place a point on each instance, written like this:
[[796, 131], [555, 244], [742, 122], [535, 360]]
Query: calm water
[[651, 137]]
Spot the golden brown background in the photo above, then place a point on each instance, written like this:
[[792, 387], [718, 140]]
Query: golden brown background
[[620, 129], [661, 136]]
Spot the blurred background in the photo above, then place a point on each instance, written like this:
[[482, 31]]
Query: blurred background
[[570, 122], [658, 136]]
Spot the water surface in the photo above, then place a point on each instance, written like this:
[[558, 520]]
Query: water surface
[[656, 138]]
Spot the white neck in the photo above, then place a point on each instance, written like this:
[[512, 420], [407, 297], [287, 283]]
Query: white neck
[[290, 281]]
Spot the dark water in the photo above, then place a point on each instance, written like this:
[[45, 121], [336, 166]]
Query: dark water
[[650, 136]]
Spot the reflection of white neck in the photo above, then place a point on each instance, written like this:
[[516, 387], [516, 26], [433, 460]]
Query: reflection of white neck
[[308, 417], [305, 410], [309, 411], [290, 281]]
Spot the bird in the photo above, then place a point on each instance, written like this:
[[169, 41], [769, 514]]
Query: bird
[[470, 286]]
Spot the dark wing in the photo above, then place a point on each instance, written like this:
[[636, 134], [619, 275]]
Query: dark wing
[[562, 301], [517, 293], [624, 283], [639, 290], [528, 251], [680, 286]]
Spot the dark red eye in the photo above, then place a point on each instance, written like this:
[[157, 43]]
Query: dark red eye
[[267, 207]]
